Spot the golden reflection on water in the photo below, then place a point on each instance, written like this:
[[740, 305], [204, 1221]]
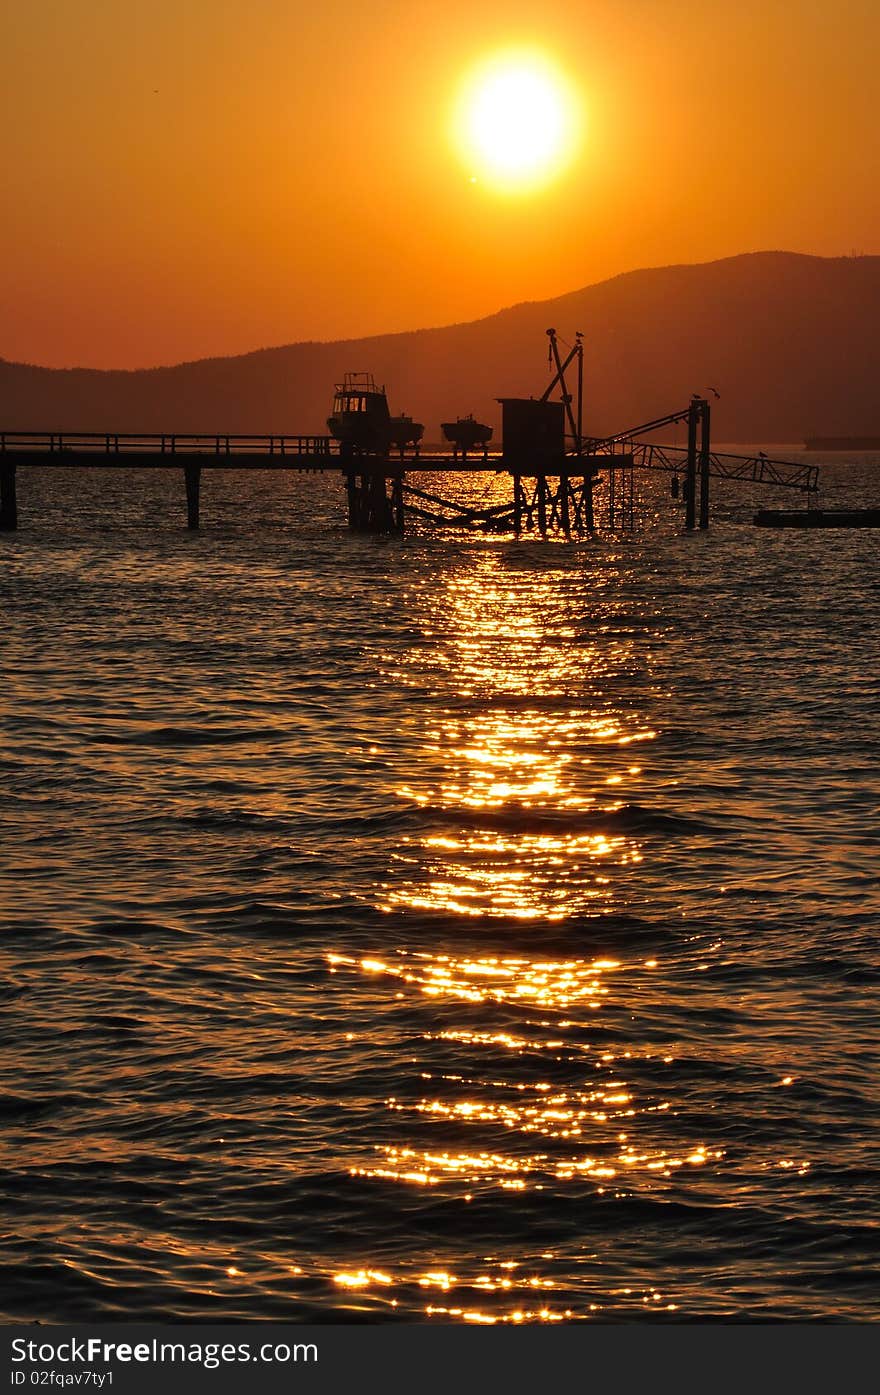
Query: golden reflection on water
[[522, 773], [515, 1292], [585, 1132], [519, 1172], [542, 983], [526, 759]]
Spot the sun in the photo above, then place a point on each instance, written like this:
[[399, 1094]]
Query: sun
[[517, 121]]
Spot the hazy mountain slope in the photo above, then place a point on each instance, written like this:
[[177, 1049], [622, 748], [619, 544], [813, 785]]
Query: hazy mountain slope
[[790, 341]]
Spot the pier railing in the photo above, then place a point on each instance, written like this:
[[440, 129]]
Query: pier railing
[[146, 444], [757, 468]]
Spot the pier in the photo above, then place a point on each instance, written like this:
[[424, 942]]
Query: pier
[[544, 496], [556, 473]]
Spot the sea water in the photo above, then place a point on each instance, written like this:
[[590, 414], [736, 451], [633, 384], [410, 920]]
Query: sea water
[[453, 928]]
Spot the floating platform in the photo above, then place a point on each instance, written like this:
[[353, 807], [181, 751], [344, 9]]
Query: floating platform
[[817, 518]]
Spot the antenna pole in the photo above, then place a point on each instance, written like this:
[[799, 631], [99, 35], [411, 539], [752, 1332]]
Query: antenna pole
[[559, 377]]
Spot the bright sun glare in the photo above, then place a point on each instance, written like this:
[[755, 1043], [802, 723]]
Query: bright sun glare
[[516, 121]]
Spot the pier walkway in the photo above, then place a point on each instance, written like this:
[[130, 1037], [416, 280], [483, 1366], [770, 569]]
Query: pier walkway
[[163, 451]]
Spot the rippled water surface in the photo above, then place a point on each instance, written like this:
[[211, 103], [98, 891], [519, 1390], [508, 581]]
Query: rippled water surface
[[447, 929]]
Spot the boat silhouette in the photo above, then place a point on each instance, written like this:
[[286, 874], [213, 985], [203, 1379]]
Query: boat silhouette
[[361, 421], [465, 433]]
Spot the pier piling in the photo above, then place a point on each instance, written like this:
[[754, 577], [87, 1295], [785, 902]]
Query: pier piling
[[193, 476], [705, 453], [370, 507], [542, 505], [564, 491], [690, 473], [397, 519], [8, 501]]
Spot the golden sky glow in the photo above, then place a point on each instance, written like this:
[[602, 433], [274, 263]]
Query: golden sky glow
[[213, 176]]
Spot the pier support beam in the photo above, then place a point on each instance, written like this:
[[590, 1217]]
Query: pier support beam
[[193, 476], [542, 505], [370, 507], [587, 495], [8, 501], [690, 474], [352, 496], [565, 513], [550, 502], [705, 452], [397, 503]]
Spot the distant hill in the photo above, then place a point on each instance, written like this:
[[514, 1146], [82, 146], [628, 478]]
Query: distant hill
[[791, 343]]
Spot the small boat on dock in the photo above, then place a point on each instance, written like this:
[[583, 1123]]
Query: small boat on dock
[[360, 420], [406, 432], [465, 434], [362, 423]]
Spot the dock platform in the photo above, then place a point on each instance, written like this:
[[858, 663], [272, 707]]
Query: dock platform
[[817, 518]]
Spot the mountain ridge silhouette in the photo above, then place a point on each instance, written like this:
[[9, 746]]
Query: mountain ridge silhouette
[[788, 339]]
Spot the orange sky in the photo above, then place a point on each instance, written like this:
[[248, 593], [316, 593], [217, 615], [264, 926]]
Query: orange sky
[[194, 177]]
